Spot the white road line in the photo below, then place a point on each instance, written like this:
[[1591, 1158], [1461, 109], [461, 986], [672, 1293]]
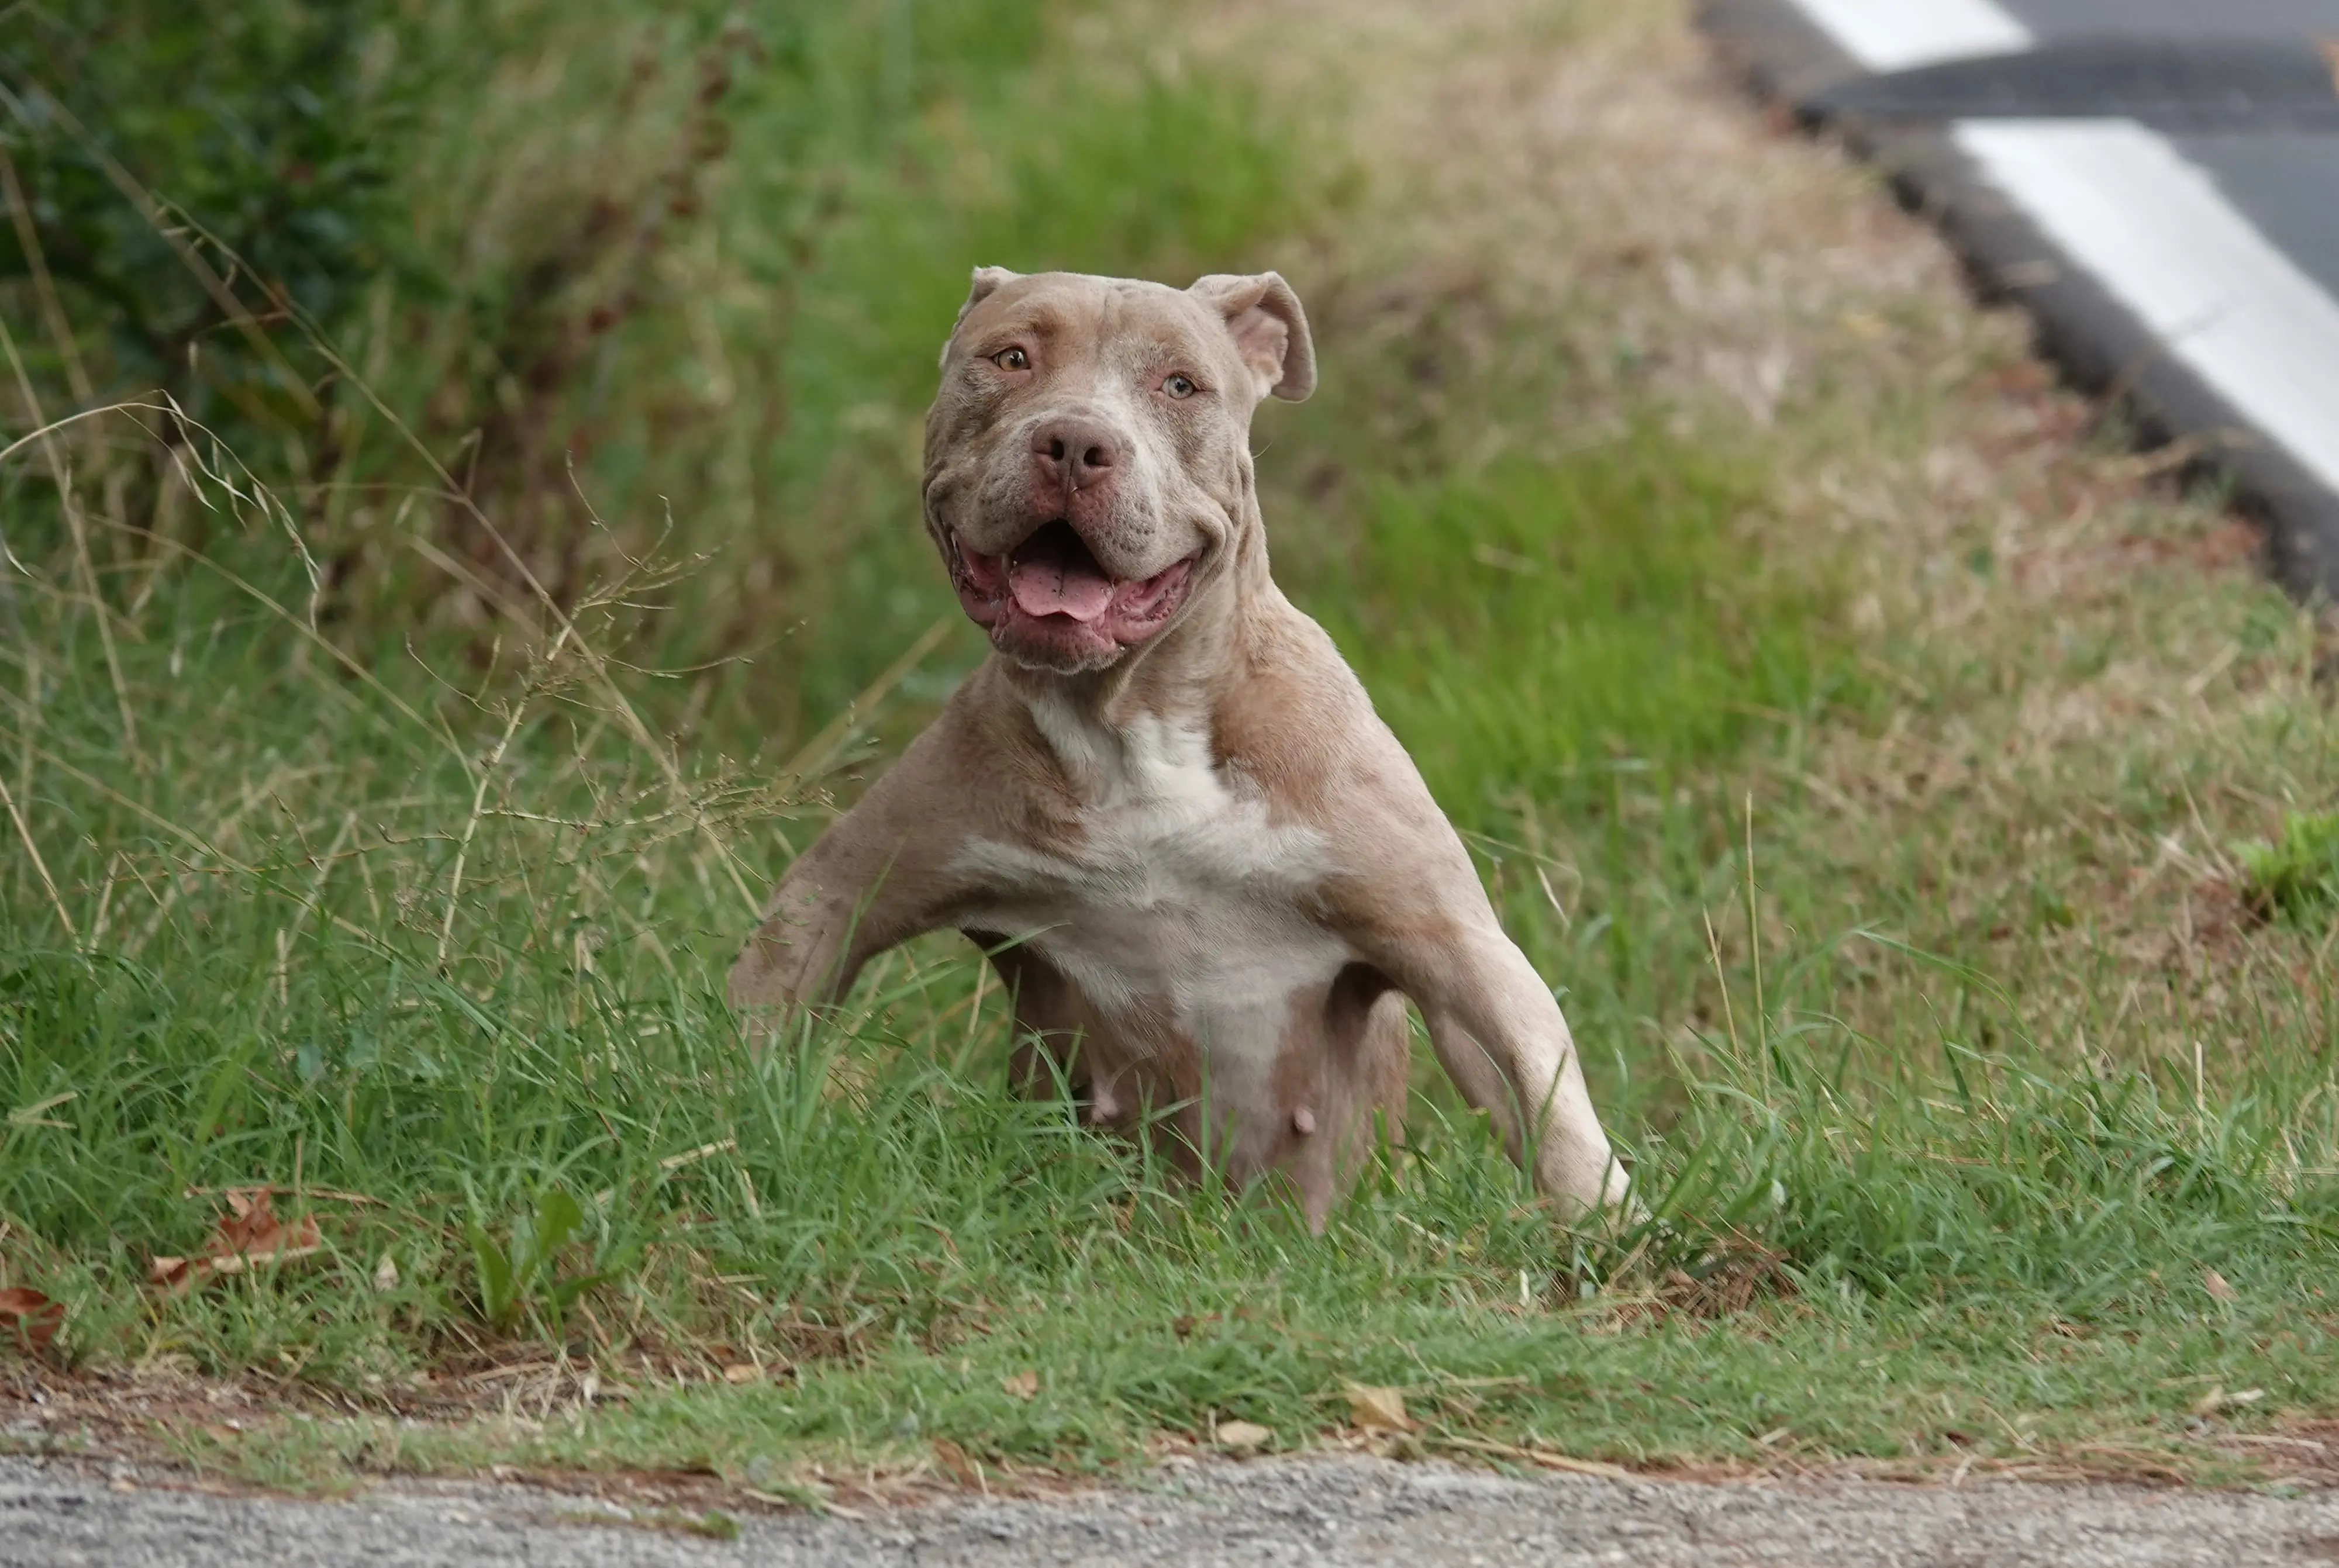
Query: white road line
[[2154, 230], [1896, 35], [2150, 226]]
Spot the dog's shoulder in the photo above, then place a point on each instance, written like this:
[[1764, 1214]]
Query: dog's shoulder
[[1302, 725], [1293, 717]]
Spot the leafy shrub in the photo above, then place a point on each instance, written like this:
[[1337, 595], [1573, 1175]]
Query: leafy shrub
[[154, 141]]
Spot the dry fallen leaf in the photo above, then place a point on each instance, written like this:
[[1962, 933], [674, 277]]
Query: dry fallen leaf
[[250, 1235], [1380, 1410], [1242, 1435], [1022, 1385], [238, 1195], [29, 1317], [2215, 1283], [958, 1462], [743, 1372], [1543, 1456], [385, 1274], [253, 1234], [2217, 1399]]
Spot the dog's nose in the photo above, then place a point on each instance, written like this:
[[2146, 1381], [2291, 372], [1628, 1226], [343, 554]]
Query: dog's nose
[[1076, 453]]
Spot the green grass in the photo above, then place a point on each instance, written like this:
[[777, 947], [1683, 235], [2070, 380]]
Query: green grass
[[1626, 618], [424, 924]]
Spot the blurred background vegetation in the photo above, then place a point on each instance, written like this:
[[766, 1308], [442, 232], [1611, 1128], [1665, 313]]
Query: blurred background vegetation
[[681, 270]]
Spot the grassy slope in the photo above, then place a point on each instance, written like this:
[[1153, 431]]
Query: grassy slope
[[1632, 511]]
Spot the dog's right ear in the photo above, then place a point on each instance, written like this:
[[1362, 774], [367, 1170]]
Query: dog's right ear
[[988, 280]]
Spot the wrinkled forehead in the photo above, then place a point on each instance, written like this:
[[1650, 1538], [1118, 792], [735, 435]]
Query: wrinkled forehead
[[1075, 316]]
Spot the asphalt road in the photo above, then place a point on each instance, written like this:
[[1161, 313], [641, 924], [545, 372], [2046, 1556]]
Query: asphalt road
[[2274, 19], [2156, 180], [55, 1514]]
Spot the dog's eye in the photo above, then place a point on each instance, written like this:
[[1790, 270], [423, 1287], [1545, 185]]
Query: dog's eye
[[1179, 386], [1011, 359]]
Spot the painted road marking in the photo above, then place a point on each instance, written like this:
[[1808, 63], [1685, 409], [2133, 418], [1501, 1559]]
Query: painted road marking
[[1899, 35], [2154, 230], [2148, 223]]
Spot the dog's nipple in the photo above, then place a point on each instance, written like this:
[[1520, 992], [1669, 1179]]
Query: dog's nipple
[[1303, 1121]]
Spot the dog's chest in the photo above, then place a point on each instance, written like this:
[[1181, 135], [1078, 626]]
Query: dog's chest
[[1180, 895]]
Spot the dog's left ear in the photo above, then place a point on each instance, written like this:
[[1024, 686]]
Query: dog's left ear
[[1268, 327]]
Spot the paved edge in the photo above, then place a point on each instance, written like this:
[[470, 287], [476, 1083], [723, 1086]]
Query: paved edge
[[2100, 345], [1349, 1511]]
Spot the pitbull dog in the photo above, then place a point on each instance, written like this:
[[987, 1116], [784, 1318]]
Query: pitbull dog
[[1207, 872]]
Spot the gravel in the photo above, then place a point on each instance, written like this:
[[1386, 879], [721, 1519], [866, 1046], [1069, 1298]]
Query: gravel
[[56, 1513]]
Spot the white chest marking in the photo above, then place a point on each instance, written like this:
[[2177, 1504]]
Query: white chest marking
[[1182, 890]]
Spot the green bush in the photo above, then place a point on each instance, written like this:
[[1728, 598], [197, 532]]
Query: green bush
[[626, 281], [266, 138]]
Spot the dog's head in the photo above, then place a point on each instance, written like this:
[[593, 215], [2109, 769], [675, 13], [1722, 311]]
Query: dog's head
[[1088, 458]]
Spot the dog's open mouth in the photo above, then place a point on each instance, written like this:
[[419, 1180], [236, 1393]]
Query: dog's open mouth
[[1052, 574], [1051, 589]]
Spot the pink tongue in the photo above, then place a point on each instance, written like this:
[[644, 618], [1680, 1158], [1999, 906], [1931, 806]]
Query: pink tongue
[[1044, 588]]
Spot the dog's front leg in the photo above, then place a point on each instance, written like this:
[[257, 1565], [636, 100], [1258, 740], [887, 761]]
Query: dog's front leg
[[876, 878], [1500, 1036], [821, 926]]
